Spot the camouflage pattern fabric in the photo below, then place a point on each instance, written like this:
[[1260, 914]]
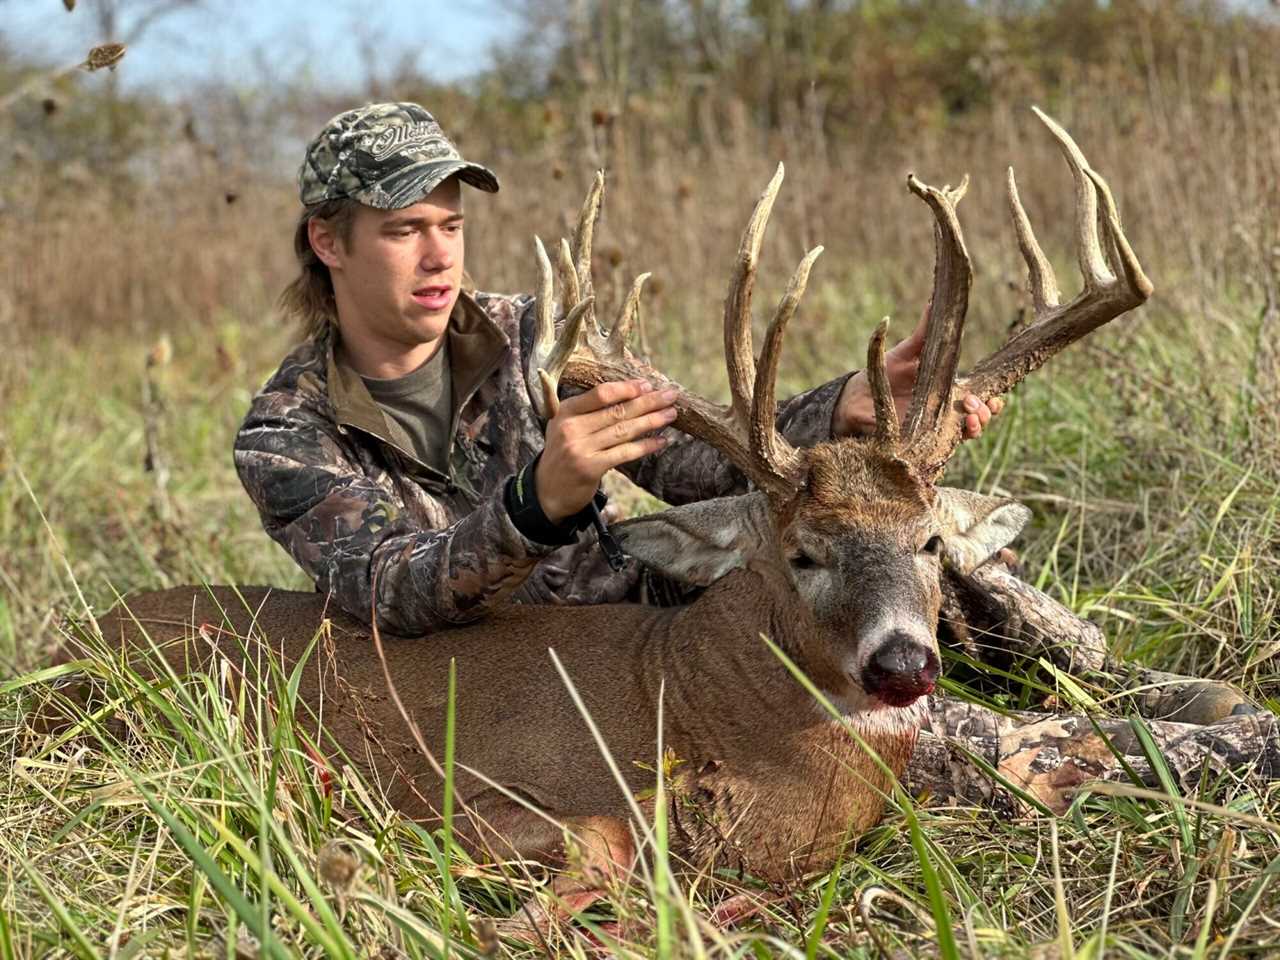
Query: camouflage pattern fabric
[[354, 508], [1047, 758], [385, 155]]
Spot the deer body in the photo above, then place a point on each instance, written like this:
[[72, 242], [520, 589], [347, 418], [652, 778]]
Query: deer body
[[763, 773], [836, 556]]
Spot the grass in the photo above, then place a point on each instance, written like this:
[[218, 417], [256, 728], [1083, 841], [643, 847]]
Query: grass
[[1150, 456], [1153, 515]]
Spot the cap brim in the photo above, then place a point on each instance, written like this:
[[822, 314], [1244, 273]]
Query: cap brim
[[409, 185]]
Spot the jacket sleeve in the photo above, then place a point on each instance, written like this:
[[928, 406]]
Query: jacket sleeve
[[688, 469], [347, 532]]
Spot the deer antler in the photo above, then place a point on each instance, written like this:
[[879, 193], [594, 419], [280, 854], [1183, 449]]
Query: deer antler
[[585, 355], [1113, 284]]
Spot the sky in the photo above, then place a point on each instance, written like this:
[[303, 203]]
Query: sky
[[335, 40]]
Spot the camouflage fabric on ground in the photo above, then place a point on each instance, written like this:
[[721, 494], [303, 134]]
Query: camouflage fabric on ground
[[1046, 758], [337, 486]]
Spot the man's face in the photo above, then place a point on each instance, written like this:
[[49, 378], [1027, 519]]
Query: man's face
[[397, 277]]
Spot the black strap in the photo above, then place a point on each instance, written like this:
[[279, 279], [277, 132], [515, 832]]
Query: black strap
[[526, 513]]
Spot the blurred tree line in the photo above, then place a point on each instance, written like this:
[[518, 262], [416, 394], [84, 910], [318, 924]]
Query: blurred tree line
[[864, 69], [1176, 99], [591, 69]]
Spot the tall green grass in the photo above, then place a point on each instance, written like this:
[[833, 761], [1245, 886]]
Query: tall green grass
[[188, 820]]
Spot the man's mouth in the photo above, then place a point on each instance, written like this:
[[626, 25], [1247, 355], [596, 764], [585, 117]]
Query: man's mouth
[[433, 297]]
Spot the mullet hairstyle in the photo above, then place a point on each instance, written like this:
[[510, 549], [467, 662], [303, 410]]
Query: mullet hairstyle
[[308, 299]]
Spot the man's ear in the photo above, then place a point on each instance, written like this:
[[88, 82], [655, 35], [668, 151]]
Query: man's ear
[[324, 241], [700, 542], [973, 526]]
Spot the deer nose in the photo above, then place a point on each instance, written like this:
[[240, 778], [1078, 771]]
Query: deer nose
[[901, 671]]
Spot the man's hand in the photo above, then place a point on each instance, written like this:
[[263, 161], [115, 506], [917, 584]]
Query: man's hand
[[855, 414], [593, 432]]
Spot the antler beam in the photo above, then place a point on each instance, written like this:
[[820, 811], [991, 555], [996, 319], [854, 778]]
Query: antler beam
[[584, 355], [1114, 283]]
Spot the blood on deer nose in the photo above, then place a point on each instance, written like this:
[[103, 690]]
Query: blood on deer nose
[[901, 671]]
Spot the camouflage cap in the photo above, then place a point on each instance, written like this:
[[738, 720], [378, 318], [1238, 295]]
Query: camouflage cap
[[385, 155]]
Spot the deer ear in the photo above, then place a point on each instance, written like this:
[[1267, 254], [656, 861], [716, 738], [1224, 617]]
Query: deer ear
[[973, 526], [699, 543]]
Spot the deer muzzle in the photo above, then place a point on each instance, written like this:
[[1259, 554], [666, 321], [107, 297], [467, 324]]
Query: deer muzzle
[[901, 671]]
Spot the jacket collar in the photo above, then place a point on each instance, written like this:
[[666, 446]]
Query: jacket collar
[[475, 345]]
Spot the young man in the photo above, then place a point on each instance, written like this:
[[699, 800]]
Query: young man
[[396, 455]]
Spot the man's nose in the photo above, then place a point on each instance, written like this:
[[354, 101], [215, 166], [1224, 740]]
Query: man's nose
[[436, 254]]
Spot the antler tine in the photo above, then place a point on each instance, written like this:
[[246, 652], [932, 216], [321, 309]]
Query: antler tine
[[1044, 285], [952, 278], [584, 235], [1093, 264], [567, 274], [550, 353], [1126, 262], [620, 332], [1106, 295], [738, 353], [766, 442], [570, 337], [881, 394], [544, 335]]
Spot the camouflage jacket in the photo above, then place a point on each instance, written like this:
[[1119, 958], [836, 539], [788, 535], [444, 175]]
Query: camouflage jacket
[[337, 486]]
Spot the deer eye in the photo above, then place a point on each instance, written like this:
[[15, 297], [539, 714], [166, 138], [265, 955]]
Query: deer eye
[[802, 561], [933, 545]]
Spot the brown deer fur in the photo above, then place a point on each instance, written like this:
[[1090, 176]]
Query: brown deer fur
[[764, 777]]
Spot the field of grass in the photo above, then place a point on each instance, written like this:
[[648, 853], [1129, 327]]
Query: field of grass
[[1156, 514], [1150, 456]]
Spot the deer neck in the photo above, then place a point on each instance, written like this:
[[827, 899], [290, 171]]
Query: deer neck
[[714, 667], [715, 648]]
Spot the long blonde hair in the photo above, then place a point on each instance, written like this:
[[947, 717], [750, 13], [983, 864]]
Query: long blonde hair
[[308, 298]]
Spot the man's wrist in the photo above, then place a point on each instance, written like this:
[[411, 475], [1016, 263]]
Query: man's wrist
[[527, 513]]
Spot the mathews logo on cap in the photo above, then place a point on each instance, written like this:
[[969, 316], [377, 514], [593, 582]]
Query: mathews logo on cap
[[384, 155]]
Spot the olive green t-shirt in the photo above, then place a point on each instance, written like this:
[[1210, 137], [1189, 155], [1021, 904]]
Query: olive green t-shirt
[[421, 403]]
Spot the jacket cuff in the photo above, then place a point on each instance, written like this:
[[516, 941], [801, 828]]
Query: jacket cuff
[[520, 496], [809, 417]]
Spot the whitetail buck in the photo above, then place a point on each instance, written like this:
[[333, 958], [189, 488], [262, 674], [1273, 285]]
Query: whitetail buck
[[835, 556]]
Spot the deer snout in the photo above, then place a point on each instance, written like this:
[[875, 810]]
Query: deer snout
[[901, 670]]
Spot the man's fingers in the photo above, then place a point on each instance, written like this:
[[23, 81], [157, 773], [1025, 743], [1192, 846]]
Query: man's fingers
[[624, 431], [605, 395], [613, 416], [979, 414], [626, 452], [910, 347]]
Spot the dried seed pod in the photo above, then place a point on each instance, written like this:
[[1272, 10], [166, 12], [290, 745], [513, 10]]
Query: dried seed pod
[[104, 55]]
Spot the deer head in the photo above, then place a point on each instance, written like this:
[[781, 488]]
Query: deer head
[[855, 532]]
